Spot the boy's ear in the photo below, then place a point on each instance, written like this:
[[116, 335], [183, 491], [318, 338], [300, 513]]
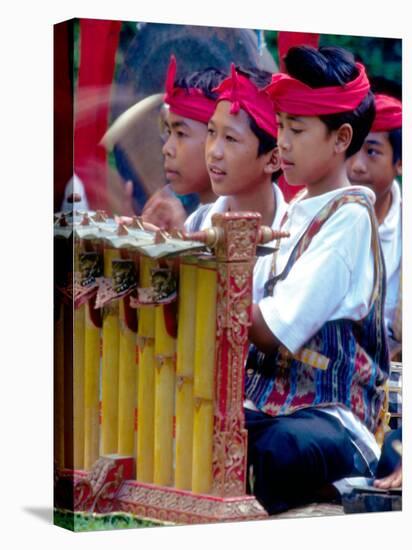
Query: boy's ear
[[273, 164], [398, 167], [344, 136]]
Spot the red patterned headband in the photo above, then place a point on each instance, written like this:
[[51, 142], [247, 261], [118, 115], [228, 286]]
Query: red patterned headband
[[189, 103], [243, 94], [292, 96], [388, 114]]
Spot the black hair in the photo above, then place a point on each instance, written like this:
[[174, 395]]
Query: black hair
[[332, 66], [395, 139], [383, 85], [205, 80]]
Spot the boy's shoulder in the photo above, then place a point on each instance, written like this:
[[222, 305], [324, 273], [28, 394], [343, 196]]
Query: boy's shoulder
[[322, 207], [340, 219], [347, 207]]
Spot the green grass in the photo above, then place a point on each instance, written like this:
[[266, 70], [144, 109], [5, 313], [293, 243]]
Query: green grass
[[85, 521]]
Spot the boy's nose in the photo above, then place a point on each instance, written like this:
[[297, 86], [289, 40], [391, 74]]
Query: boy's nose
[[283, 142], [168, 149], [214, 150], [357, 165]]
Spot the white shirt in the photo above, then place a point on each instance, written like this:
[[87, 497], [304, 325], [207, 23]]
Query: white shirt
[[262, 266], [390, 233]]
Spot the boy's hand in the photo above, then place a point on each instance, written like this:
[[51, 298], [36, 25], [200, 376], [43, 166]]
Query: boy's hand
[[164, 210], [127, 220]]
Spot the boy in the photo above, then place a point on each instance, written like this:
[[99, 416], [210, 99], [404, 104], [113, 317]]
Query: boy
[[376, 166], [242, 157], [316, 372], [191, 103]]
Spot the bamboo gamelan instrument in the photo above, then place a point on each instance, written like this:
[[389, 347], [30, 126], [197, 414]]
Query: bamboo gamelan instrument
[[151, 336]]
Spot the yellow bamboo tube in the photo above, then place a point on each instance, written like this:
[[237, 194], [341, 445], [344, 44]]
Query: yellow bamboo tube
[[91, 390], [78, 386], [110, 367], [146, 396], [68, 386], [184, 373], [202, 446], [59, 387], [145, 432], [127, 385], [204, 364], [165, 347]]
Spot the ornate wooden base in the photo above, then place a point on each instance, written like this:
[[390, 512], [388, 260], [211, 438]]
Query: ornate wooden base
[[108, 488], [184, 507]]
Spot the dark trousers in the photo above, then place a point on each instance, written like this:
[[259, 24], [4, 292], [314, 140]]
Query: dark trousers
[[294, 456]]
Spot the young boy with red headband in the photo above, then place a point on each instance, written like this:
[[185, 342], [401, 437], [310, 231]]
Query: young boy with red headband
[[191, 103], [376, 166], [316, 371], [242, 156]]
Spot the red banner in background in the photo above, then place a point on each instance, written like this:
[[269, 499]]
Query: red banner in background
[[98, 45], [287, 40], [63, 110]]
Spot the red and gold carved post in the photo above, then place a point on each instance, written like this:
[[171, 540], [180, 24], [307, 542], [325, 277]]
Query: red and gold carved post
[[235, 254]]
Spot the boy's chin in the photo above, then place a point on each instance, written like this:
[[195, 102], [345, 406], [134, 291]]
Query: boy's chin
[[293, 183]]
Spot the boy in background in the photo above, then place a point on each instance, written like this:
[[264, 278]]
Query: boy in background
[[242, 157], [376, 166], [191, 103]]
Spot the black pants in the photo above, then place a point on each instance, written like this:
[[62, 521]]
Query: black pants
[[294, 456]]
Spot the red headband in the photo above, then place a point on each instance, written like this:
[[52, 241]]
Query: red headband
[[191, 103], [243, 94], [292, 96], [388, 114]]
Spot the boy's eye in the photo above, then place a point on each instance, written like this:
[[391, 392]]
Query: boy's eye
[[231, 139], [373, 152], [180, 134], [296, 130], [210, 131]]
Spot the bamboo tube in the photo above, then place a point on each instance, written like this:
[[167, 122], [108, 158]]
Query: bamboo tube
[[110, 367], [78, 386], [202, 446], [145, 397], [184, 373], [91, 390], [127, 385], [68, 386], [205, 344], [165, 347], [59, 387]]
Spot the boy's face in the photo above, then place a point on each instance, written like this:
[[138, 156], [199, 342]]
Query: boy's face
[[373, 165], [184, 154], [306, 149], [231, 153]]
